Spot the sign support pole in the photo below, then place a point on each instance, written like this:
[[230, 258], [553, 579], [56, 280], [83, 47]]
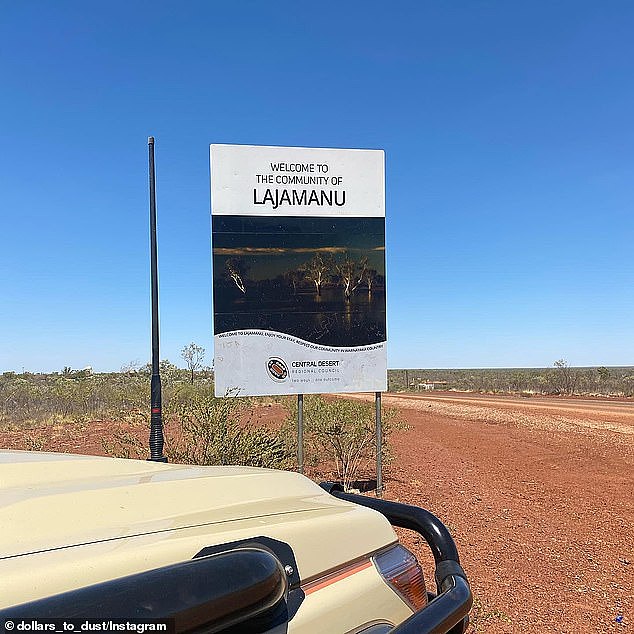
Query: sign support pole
[[379, 446], [300, 432]]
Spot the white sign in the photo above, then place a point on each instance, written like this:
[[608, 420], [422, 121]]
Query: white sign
[[298, 270], [292, 181]]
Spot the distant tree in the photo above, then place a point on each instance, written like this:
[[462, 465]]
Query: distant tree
[[516, 382], [604, 373], [315, 271], [131, 367], [567, 377], [292, 278], [369, 277], [193, 355], [167, 369], [236, 269], [351, 273], [67, 371]]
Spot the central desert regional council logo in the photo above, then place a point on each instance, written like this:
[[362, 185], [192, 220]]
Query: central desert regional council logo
[[277, 369]]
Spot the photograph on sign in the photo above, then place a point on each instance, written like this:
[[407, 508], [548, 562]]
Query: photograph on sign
[[299, 273]]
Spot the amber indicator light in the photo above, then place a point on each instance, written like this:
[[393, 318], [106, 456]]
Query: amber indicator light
[[403, 573]]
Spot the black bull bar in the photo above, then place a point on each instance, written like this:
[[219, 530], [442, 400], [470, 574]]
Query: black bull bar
[[447, 612]]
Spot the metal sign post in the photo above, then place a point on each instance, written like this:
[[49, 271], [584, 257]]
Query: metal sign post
[[379, 446], [300, 433]]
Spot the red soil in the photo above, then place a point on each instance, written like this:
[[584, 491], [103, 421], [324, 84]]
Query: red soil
[[539, 495]]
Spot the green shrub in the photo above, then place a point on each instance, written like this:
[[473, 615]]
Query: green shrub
[[213, 431], [342, 431], [201, 429]]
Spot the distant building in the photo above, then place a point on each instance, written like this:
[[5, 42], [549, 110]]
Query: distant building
[[431, 385]]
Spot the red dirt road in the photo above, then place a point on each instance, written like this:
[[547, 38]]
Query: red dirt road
[[539, 495]]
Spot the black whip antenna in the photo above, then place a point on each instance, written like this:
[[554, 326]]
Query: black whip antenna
[[156, 417]]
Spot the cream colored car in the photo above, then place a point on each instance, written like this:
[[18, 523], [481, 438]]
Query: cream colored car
[[88, 540]]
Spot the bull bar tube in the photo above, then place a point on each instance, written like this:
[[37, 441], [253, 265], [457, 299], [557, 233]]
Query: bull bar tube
[[447, 612]]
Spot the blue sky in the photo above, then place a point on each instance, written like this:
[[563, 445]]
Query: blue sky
[[509, 167]]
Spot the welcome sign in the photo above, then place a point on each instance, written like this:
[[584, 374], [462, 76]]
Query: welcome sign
[[298, 240]]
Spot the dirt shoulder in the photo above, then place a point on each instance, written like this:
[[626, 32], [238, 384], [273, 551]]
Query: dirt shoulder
[[539, 499]]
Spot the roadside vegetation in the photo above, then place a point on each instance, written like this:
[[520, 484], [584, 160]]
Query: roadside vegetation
[[341, 432], [204, 430], [560, 379], [81, 395], [339, 435]]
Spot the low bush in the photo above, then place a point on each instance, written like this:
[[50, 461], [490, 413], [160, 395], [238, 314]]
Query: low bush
[[342, 432], [216, 431], [201, 429]]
